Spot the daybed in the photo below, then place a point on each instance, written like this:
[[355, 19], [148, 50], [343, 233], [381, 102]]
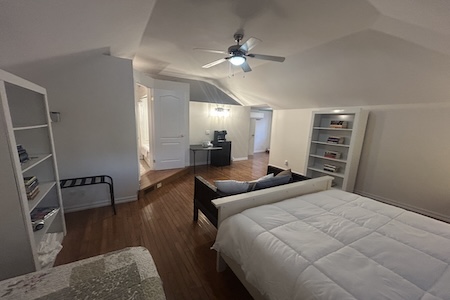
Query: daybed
[[205, 192], [308, 241], [125, 274]]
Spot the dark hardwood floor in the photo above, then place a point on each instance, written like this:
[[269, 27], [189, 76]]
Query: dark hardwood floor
[[162, 222]]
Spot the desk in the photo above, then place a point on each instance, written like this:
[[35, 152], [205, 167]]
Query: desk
[[195, 148]]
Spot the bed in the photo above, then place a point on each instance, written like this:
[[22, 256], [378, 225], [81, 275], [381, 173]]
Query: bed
[[308, 241], [125, 274]]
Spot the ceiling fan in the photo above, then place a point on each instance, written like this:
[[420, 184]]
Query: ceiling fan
[[238, 53]]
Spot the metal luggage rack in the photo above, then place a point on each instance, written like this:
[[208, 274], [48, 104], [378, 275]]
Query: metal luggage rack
[[90, 180]]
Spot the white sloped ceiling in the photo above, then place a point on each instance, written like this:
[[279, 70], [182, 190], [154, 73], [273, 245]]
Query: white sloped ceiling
[[338, 53], [38, 30]]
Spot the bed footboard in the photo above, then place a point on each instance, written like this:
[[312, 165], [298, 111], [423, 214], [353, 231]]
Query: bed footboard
[[232, 205]]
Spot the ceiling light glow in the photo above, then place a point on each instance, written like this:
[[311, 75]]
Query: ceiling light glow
[[237, 60]]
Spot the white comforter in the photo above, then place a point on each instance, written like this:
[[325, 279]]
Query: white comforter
[[338, 245]]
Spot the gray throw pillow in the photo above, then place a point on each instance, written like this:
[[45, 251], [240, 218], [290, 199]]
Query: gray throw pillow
[[231, 187], [252, 183], [277, 180]]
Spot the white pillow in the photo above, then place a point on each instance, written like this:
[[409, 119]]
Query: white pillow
[[232, 186]]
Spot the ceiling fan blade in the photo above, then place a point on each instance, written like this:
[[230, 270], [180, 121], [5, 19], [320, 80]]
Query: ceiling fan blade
[[211, 51], [212, 64], [246, 67], [249, 44], [267, 57]]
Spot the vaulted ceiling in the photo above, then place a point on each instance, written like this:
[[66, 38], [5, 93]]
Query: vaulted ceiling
[[338, 53]]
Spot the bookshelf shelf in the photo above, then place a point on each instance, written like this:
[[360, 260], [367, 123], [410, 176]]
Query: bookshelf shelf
[[330, 144], [349, 151], [327, 173], [332, 129], [34, 161], [24, 109], [30, 127], [328, 158]]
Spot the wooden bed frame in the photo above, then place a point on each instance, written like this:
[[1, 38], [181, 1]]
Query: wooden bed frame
[[235, 204]]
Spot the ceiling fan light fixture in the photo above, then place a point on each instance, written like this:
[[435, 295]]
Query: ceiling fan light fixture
[[237, 54], [237, 60]]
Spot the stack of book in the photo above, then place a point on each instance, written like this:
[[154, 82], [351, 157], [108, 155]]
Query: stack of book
[[31, 186], [332, 154], [335, 139], [338, 124], [23, 155], [330, 168]]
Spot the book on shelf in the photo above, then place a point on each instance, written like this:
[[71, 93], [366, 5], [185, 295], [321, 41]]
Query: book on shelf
[[28, 180], [32, 189], [42, 213], [332, 154], [31, 186], [331, 168], [335, 139], [33, 194], [338, 124]]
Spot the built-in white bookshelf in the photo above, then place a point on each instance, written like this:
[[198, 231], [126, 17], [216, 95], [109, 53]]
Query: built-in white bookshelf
[[335, 144], [25, 121]]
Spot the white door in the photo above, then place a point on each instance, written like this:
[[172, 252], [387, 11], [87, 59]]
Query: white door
[[170, 132], [251, 142]]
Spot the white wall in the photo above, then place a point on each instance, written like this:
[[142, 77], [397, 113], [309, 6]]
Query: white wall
[[404, 159], [237, 125], [97, 133], [262, 132], [290, 131]]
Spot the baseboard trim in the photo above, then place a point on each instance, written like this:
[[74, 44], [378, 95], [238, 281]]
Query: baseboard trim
[[413, 208], [259, 151], [239, 158], [106, 202]]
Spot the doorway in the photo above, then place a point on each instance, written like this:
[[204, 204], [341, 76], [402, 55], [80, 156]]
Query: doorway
[[143, 120], [260, 130], [161, 122], [251, 142]]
